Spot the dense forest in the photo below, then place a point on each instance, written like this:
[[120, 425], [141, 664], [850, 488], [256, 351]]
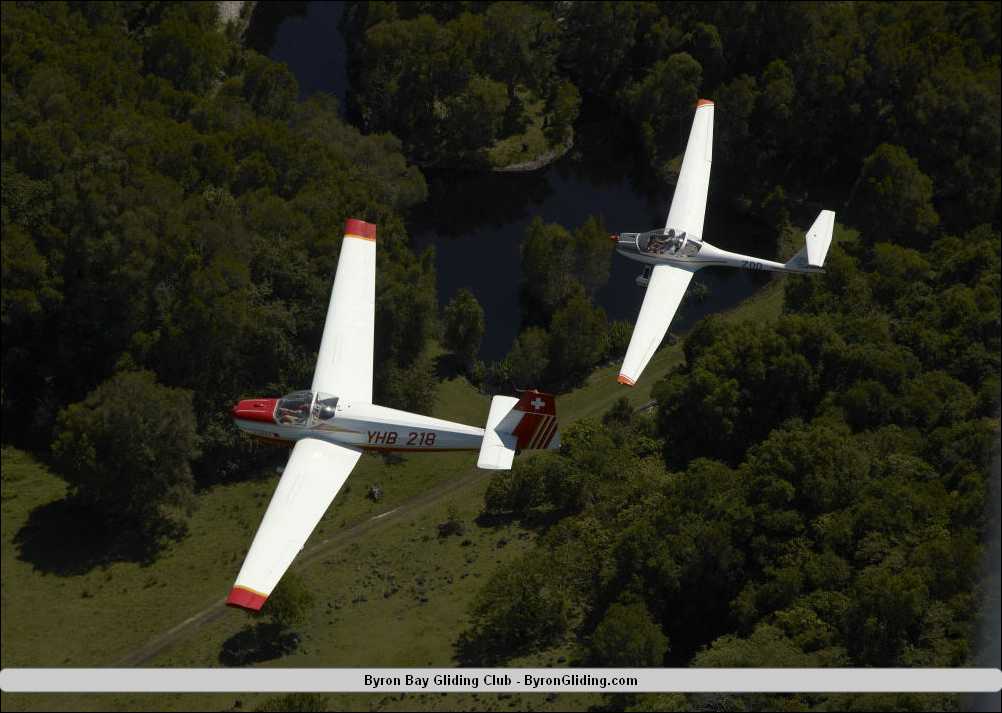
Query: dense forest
[[453, 78], [805, 92], [808, 492], [811, 491], [169, 207]]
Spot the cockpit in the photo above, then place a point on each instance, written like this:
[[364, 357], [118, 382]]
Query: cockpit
[[304, 408], [670, 243]]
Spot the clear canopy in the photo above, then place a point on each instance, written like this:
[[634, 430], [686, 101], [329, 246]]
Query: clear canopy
[[670, 242], [325, 407], [304, 408], [294, 409]]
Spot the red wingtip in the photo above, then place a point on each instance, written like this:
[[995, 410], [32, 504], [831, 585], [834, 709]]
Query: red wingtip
[[360, 229], [703, 102], [625, 380], [246, 599]]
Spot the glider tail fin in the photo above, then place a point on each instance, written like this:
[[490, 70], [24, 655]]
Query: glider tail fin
[[819, 239], [525, 423]]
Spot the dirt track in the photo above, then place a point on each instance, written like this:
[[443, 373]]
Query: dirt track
[[151, 649]]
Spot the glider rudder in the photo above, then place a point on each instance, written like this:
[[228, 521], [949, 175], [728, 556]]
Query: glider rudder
[[817, 242], [526, 423]]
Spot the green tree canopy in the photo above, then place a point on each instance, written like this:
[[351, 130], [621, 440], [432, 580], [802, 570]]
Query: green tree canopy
[[520, 609], [529, 357], [269, 87], [127, 448], [289, 604], [578, 338], [628, 636], [660, 102], [893, 198], [464, 326], [555, 262]]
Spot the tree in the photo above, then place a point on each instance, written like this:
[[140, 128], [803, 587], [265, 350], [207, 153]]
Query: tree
[[895, 271], [269, 87], [410, 388], [520, 45], [289, 604], [708, 51], [620, 413], [892, 199], [548, 266], [127, 448], [464, 326], [529, 357], [27, 283], [660, 102], [475, 115], [517, 491], [188, 52], [886, 613], [597, 40], [521, 608], [628, 636], [620, 334], [562, 105], [732, 143], [776, 103], [937, 399], [593, 252], [579, 338], [556, 262]]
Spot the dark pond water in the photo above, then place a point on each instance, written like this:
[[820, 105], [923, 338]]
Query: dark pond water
[[476, 221], [305, 36]]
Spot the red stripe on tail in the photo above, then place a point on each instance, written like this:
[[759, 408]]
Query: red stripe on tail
[[539, 422], [525, 430], [550, 432]]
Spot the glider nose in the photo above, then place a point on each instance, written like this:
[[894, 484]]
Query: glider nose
[[614, 237], [255, 410]]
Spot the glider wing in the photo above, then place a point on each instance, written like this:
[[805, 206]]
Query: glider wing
[[344, 363], [664, 293], [688, 205], [315, 472]]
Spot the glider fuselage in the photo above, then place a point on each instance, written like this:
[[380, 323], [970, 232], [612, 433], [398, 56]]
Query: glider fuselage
[[365, 426], [694, 254]]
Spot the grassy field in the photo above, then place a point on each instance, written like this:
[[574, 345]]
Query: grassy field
[[396, 597]]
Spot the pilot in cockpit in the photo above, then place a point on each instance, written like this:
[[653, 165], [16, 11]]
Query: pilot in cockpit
[[294, 413], [288, 415], [675, 241]]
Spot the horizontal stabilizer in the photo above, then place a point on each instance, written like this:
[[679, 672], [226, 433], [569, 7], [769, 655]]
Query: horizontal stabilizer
[[497, 449]]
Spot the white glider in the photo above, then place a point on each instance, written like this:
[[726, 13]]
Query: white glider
[[678, 250], [332, 424]]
